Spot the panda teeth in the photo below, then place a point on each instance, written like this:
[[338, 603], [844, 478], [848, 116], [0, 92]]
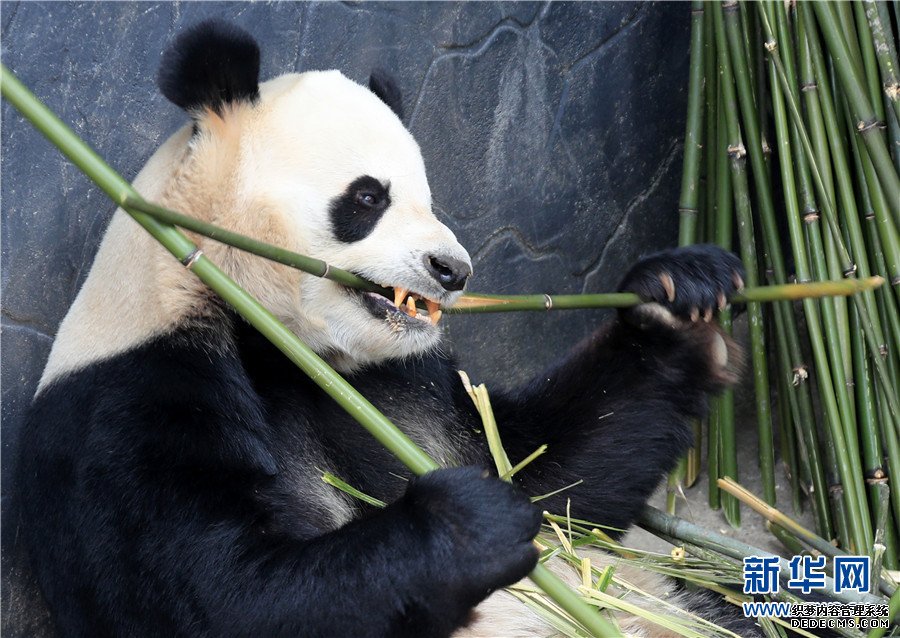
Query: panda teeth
[[406, 302], [400, 295], [434, 312]]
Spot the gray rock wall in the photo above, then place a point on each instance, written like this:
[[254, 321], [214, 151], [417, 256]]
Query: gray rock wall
[[551, 133]]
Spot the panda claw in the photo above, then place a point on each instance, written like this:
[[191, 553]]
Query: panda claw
[[695, 314], [708, 315], [738, 281], [669, 285], [722, 300]]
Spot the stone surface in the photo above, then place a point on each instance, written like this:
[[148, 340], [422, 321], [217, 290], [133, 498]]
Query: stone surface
[[551, 133]]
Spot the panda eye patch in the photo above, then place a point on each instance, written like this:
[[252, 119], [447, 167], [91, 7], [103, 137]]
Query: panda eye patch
[[357, 210]]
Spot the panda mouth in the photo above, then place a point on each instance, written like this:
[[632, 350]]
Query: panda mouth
[[404, 309]]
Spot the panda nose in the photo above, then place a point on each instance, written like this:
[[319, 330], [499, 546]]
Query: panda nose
[[451, 273]]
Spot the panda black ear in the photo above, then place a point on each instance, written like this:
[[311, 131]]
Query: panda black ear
[[209, 65], [382, 84]]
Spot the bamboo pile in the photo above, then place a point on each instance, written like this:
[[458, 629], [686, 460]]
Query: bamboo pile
[[807, 95]]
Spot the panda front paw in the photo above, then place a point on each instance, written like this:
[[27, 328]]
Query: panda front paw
[[480, 528], [688, 284]]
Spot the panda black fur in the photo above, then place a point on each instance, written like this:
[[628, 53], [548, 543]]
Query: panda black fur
[[170, 468]]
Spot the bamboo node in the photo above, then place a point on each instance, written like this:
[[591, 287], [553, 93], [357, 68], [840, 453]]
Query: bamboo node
[[862, 127], [729, 5], [876, 474], [883, 350], [771, 45], [697, 12], [191, 259], [801, 374], [811, 217], [766, 149], [895, 281], [325, 272], [849, 271], [688, 211], [808, 86], [736, 151], [892, 90], [869, 216], [836, 490], [548, 302]]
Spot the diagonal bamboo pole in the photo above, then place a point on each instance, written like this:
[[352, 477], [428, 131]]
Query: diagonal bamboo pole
[[298, 352]]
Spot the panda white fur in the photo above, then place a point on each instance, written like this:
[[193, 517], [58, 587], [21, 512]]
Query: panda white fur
[[170, 469]]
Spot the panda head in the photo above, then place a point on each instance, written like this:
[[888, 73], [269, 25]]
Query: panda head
[[320, 165]]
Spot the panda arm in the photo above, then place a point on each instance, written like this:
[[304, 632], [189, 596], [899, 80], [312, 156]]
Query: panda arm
[[194, 530], [615, 413], [412, 569]]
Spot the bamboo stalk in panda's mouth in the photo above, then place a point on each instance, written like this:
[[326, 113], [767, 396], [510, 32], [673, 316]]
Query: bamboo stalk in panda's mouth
[[474, 302]]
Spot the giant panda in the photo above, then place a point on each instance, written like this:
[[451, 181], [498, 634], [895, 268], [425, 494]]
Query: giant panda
[[170, 469]]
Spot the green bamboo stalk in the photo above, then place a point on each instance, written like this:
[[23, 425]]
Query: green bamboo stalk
[[892, 445], [310, 265], [886, 54], [688, 205], [849, 217], [850, 518], [864, 315], [477, 303], [711, 95], [867, 410], [796, 466], [727, 461], [298, 352], [726, 23], [893, 614], [785, 138], [470, 302], [787, 539], [811, 233], [777, 517], [866, 50], [785, 321], [863, 112], [842, 360], [836, 313], [713, 454]]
